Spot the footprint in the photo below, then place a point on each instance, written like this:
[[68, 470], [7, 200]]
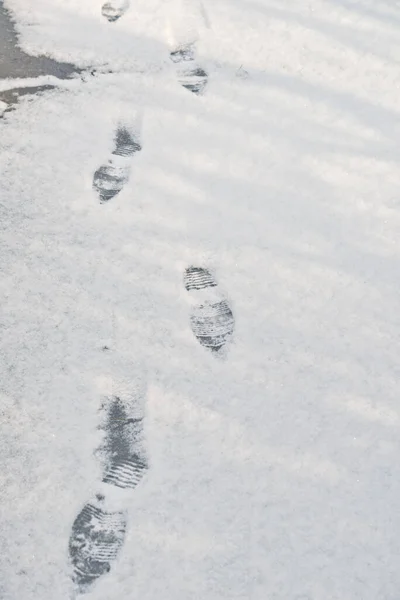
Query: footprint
[[122, 452], [190, 75], [98, 532], [96, 539], [211, 318], [109, 179], [113, 10]]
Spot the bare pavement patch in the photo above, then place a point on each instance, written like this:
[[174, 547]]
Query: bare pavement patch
[[16, 64]]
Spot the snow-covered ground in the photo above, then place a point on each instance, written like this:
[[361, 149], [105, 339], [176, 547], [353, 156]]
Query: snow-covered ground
[[273, 473]]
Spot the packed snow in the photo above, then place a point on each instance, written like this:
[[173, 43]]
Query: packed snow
[[273, 471]]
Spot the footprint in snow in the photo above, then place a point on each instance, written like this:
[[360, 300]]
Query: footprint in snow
[[122, 453], [110, 178], [98, 531], [190, 75], [97, 536], [211, 318], [113, 10]]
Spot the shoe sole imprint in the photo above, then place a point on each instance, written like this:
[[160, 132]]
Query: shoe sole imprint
[[211, 319], [122, 453], [96, 539], [190, 75], [114, 10], [109, 179], [98, 531]]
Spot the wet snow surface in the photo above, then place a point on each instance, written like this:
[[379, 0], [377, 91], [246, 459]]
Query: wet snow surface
[[199, 275]]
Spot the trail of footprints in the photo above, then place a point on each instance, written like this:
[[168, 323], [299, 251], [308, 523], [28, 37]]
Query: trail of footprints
[[98, 531], [110, 178]]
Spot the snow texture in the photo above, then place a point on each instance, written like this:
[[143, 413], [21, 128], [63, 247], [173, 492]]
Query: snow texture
[[273, 473]]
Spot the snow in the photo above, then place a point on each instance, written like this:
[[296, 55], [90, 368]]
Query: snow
[[273, 473]]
